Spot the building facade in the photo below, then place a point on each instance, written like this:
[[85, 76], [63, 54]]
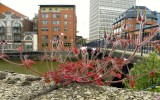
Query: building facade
[[54, 20], [103, 13], [130, 19], [12, 27]]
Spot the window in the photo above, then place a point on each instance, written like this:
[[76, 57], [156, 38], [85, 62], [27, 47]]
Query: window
[[56, 29], [65, 16], [1, 37], [65, 29], [9, 37], [129, 25], [45, 38], [65, 39], [65, 23], [44, 15], [55, 37], [1, 24], [44, 29], [149, 19], [1, 28], [56, 9], [28, 46], [9, 46], [16, 25], [50, 9], [56, 22], [44, 22], [67, 44], [17, 38], [147, 25], [28, 38], [148, 12], [56, 15], [129, 18], [137, 26]]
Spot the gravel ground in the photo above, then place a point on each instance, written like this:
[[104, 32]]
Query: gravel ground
[[26, 87]]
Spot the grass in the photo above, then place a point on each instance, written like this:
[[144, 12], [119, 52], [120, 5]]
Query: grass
[[39, 66]]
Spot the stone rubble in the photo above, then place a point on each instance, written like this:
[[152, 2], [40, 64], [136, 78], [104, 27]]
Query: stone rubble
[[27, 87]]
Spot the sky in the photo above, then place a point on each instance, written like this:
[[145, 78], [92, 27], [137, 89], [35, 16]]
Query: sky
[[30, 7]]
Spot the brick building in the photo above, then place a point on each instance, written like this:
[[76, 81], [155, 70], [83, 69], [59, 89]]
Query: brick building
[[12, 27], [130, 19], [54, 20]]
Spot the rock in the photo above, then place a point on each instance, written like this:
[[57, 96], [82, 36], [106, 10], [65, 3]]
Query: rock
[[25, 83], [33, 79], [78, 96], [11, 81], [27, 88], [3, 75], [88, 92]]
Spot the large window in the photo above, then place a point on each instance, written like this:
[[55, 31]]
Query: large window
[[44, 22], [44, 15], [56, 29], [56, 22], [56, 15]]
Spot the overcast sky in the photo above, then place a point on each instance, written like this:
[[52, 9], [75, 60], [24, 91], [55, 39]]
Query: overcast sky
[[30, 7]]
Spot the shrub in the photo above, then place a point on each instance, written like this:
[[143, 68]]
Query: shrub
[[146, 71]]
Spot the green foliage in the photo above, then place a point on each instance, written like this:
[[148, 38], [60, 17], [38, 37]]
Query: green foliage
[[155, 89], [146, 71]]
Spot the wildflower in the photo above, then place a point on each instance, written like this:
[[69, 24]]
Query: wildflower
[[132, 83], [152, 73]]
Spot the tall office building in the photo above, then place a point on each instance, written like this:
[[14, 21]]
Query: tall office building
[[54, 20], [103, 13]]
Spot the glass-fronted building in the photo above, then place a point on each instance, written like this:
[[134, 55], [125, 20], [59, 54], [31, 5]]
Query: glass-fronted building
[[103, 13]]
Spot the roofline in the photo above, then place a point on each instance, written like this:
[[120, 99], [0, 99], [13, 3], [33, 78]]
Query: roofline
[[57, 5], [22, 15]]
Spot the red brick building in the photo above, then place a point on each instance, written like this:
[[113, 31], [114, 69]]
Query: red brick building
[[54, 20], [130, 19]]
